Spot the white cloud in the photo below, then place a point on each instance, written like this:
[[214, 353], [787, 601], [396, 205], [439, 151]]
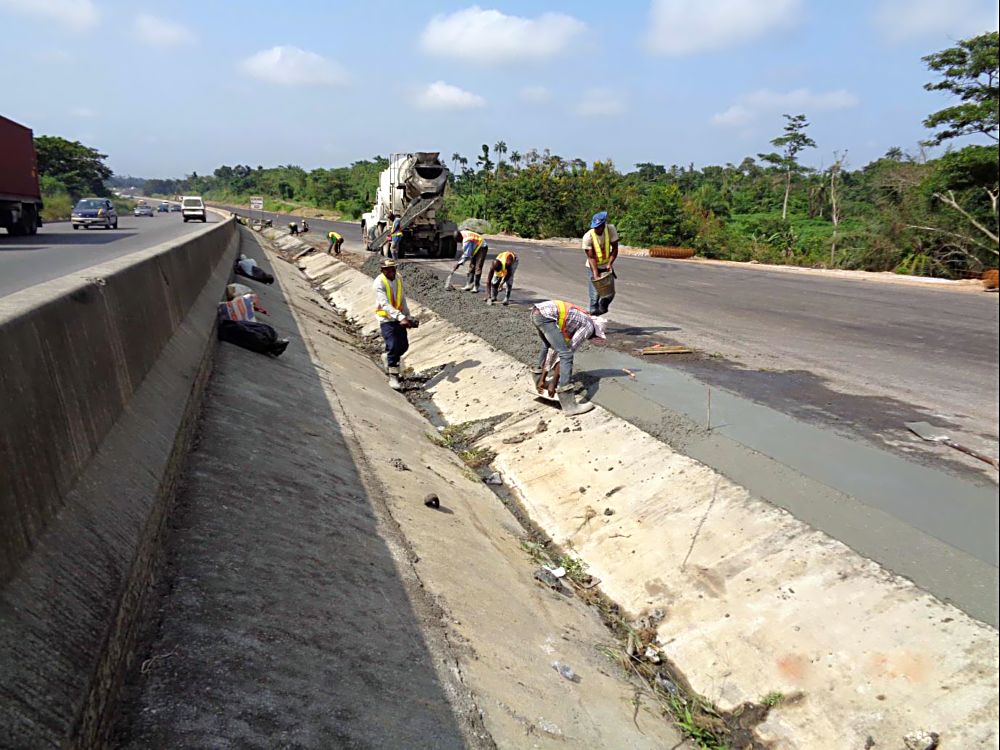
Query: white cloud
[[684, 27], [291, 66], [160, 32], [904, 20], [600, 103], [764, 102], [488, 36], [535, 94], [443, 96], [83, 112], [77, 15]]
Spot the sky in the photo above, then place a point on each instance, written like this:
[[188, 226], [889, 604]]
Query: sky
[[166, 89]]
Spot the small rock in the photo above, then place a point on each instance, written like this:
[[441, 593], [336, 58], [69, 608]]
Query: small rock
[[566, 671], [546, 576], [609, 511], [399, 465], [666, 684], [494, 479], [921, 740], [652, 655], [583, 490], [432, 501], [559, 572]]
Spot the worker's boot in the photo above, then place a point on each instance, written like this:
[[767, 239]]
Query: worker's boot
[[568, 402], [506, 298], [467, 287], [394, 381]]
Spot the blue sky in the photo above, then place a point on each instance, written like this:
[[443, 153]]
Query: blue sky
[[170, 88]]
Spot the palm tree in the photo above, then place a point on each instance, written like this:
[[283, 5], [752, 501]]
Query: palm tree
[[454, 160], [515, 159], [500, 148], [464, 162]]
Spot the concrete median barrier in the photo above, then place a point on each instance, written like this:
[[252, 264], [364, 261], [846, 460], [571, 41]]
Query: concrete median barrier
[[100, 376], [757, 606]]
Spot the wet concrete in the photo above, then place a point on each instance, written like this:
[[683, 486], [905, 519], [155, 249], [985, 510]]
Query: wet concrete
[[934, 527]]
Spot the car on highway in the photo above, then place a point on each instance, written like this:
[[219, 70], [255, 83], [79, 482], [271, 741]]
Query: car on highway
[[94, 212], [175, 208], [193, 207], [143, 210], [163, 208]]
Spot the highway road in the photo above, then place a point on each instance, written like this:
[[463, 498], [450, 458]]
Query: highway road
[[858, 356], [58, 250]]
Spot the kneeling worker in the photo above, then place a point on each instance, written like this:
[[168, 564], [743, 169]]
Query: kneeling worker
[[394, 318], [563, 327], [474, 250], [501, 273], [336, 241]]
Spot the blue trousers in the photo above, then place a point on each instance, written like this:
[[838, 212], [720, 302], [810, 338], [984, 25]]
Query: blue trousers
[[396, 341], [551, 336]]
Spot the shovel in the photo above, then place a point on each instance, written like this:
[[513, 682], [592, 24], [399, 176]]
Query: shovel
[[932, 434]]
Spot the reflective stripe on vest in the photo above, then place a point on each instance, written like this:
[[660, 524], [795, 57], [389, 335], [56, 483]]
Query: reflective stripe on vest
[[564, 308], [396, 301], [395, 233], [505, 257], [468, 236], [602, 260]]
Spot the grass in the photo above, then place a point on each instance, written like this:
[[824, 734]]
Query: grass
[[476, 458], [772, 699], [56, 207]]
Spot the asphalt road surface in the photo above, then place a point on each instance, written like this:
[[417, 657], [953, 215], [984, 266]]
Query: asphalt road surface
[[58, 249]]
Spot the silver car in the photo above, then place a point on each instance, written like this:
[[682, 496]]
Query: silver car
[[94, 212]]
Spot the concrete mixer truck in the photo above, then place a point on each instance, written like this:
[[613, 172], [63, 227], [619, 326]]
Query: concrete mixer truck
[[412, 187]]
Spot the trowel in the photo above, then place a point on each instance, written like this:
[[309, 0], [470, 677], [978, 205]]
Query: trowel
[[932, 434]]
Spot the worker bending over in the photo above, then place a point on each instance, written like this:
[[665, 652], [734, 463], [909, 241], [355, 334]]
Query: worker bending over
[[601, 245], [563, 326], [501, 273], [394, 319], [474, 250], [336, 241]]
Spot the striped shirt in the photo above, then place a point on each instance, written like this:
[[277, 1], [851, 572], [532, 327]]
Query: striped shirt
[[579, 325]]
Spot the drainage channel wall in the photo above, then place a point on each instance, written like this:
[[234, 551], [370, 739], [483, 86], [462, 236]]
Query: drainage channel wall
[[757, 603], [100, 377]]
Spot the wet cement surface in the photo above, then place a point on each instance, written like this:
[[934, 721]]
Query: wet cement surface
[[282, 618], [938, 528]]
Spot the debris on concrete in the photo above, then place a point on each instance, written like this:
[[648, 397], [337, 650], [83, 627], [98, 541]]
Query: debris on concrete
[[494, 479], [399, 464], [665, 349], [546, 576], [609, 511], [921, 740], [559, 572], [652, 655], [432, 501], [566, 671]]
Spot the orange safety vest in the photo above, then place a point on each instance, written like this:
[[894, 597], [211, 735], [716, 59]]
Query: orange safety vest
[[394, 300], [602, 259], [468, 236], [505, 257], [564, 308]]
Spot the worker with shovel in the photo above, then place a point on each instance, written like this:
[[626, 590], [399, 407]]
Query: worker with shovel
[[501, 273], [336, 242], [394, 319], [474, 250], [601, 245], [563, 327]]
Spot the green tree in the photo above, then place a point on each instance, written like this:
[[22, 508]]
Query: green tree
[[80, 168], [969, 70], [500, 148], [657, 217], [793, 141]]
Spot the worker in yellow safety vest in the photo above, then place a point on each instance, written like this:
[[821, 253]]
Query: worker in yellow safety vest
[[474, 251], [601, 245], [501, 273], [395, 237], [394, 319], [563, 327], [336, 241]]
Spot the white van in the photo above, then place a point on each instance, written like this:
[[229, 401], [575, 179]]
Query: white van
[[193, 207]]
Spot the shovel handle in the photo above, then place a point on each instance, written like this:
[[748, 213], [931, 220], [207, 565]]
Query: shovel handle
[[975, 454]]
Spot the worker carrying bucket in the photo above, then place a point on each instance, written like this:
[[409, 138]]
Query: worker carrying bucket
[[563, 327], [601, 245]]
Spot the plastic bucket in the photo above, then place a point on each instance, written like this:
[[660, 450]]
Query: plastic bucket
[[605, 285]]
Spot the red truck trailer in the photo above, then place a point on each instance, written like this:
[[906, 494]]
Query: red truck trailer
[[20, 196]]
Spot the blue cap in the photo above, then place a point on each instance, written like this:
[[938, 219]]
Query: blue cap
[[599, 219]]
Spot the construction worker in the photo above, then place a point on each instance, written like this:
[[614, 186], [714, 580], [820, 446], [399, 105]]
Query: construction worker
[[501, 273], [293, 228], [394, 319], [304, 227], [395, 236], [601, 245], [563, 326], [336, 241], [474, 251]]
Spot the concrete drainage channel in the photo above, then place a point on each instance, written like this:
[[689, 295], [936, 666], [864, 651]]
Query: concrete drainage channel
[[758, 609]]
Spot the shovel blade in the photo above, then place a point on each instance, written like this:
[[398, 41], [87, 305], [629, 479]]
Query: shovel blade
[[926, 431]]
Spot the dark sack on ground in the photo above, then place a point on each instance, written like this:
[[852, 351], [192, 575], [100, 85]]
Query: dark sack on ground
[[257, 337]]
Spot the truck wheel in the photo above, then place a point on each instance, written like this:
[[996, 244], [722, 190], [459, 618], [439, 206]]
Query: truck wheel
[[76, 226]]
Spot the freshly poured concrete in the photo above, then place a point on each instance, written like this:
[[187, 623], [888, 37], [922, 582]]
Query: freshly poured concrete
[[935, 528], [756, 600]]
